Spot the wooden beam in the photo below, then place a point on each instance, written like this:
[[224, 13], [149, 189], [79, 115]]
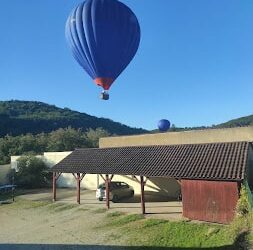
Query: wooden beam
[[82, 176], [178, 181], [107, 191], [58, 176], [78, 183], [142, 196], [145, 181], [54, 186], [79, 179], [111, 177], [102, 177], [134, 177]]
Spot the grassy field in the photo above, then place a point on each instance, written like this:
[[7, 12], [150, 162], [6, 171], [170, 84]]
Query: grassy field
[[162, 233], [37, 222]]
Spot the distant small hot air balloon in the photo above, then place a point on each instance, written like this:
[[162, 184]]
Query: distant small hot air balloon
[[104, 36], [163, 125]]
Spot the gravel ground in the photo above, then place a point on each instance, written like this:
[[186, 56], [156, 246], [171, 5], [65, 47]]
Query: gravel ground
[[27, 225], [52, 225], [156, 206]]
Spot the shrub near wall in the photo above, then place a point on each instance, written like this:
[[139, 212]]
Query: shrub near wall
[[243, 206], [5, 173], [32, 173]]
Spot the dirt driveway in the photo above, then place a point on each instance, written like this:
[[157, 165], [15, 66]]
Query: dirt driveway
[[156, 206], [27, 224]]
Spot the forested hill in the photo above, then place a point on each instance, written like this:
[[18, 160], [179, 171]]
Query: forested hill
[[239, 122], [21, 117]]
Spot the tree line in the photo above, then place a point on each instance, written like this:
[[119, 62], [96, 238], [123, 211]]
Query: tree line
[[22, 117], [63, 139]]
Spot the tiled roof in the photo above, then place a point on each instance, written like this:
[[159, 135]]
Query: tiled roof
[[219, 161]]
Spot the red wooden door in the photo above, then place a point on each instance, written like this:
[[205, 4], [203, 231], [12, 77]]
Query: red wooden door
[[213, 201]]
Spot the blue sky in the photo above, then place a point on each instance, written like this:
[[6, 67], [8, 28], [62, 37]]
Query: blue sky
[[194, 65]]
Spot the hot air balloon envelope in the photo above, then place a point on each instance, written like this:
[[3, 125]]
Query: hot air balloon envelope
[[163, 125], [104, 36]]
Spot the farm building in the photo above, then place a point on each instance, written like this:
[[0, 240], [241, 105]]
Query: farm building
[[208, 166]]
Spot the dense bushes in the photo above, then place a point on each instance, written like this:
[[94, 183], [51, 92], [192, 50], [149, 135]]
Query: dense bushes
[[241, 227], [243, 205], [32, 173]]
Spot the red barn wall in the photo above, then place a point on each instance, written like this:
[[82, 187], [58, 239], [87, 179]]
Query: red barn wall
[[212, 201]]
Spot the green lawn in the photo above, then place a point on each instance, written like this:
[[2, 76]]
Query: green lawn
[[163, 233]]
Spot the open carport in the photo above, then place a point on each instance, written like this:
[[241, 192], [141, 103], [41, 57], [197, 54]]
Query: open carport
[[210, 174]]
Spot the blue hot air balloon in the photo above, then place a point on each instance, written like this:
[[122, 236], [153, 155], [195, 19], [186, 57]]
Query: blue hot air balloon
[[104, 36], [163, 125]]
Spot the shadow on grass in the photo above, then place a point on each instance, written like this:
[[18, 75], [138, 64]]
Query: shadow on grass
[[241, 241], [45, 194], [92, 247], [147, 213], [8, 196]]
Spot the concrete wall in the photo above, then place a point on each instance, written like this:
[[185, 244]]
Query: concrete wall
[[52, 158], [186, 137]]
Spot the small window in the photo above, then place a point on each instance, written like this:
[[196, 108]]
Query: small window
[[113, 185], [124, 185]]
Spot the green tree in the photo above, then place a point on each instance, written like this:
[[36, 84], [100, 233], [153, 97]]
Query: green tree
[[93, 136], [173, 127], [18, 145], [66, 140], [32, 172], [8, 147]]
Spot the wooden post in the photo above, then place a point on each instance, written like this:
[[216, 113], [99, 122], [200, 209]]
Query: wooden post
[[107, 187], [13, 188], [78, 182], [54, 186], [142, 196]]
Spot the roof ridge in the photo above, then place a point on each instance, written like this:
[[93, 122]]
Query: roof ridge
[[164, 145]]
